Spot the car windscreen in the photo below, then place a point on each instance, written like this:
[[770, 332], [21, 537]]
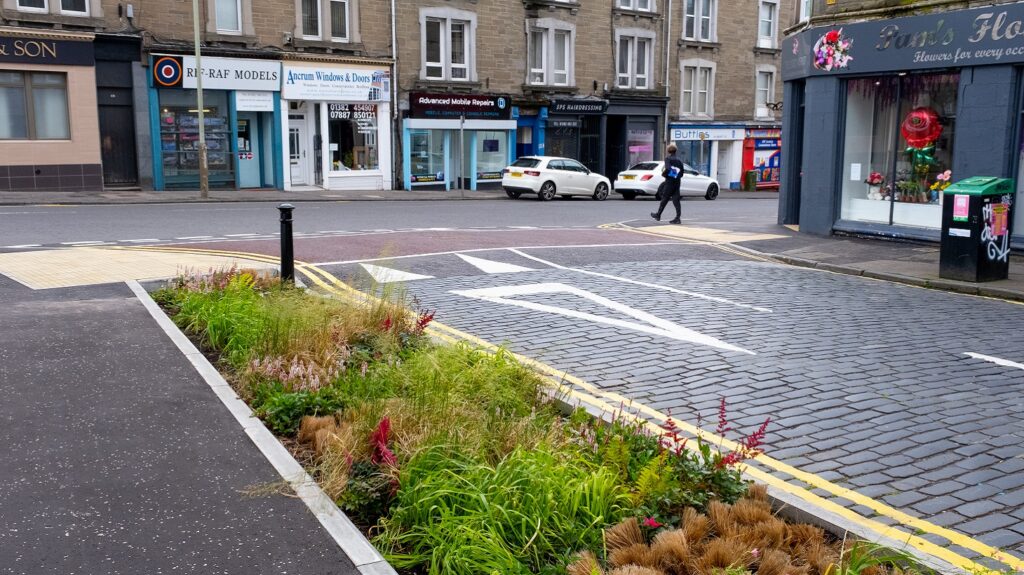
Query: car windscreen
[[526, 163], [645, 166]]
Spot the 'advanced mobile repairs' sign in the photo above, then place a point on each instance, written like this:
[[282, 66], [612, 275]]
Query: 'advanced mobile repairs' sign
[[975, 37]]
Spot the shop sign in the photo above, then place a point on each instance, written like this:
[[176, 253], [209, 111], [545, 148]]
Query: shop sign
[[329, 83], [254, 101], [455, 106], [488, 175], [764, 133], [564, 123], [702, 134], [766, 144], [576, 107], [232, 74], [44, 51], [428, 178], [352, 111], [974, 37]]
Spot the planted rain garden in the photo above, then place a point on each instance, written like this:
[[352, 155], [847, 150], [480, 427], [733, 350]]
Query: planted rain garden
[[457, 461]]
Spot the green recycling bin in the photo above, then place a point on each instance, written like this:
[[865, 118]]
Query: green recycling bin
[[976, 222]]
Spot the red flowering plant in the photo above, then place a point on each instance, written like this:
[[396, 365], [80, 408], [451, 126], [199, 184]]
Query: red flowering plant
[[875, 179], [832, 52]]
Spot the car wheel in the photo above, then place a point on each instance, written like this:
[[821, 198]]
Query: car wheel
[[513, 194], [601, 192], [547, 192], [628, 195], [712, 192]]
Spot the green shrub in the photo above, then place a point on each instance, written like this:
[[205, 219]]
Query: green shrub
[[456, 514], [283, 411]]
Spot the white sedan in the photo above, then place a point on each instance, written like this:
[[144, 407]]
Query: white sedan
[[550, 176], [644, 179]]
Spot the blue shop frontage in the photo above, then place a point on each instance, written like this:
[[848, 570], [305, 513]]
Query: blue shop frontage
[[242, 109], [457, 141], [882, 116]]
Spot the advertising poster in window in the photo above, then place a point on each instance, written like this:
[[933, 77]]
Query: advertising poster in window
[[767, 162]]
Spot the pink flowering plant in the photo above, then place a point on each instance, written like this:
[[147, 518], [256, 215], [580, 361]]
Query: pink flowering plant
[[832, 52], [875, 179]]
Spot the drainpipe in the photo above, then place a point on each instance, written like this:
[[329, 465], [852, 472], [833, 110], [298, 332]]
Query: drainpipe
[[394, 99], [668, 87]]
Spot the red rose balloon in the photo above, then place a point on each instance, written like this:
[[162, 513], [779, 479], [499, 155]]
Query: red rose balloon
[[921, 127], [832, 36]]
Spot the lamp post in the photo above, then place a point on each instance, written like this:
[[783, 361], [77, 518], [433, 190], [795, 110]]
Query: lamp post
[[204, 166]]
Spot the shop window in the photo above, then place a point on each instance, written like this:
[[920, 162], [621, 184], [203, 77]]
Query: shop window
[[34, 106], [767, 23], [640, 144], [32, 6], [491, 154], [698, 88], [229, 16], [898, 148], [764, 92], [638, 5], [352, 138], [634, 58], [700, 19], [551, 53], [563, 138], [426, 156], [448, 40], [179, 137]]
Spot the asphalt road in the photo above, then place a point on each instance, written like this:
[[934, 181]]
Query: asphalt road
[[54, 225]]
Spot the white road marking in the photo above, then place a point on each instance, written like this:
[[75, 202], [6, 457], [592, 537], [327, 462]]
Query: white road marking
[[995, 360], [141, 240], [85, 243], [475, 250], [640, 283], [195, 238], [493, 267], [24, 246], [240, 235], [652, 324], [387, 275]]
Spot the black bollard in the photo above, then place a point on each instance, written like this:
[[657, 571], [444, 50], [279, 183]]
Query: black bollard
[[287, 250]]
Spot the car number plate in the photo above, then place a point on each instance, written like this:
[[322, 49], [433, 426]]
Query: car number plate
[[517, 174], [628, 177]]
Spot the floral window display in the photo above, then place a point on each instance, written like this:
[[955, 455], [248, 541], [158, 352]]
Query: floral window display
[[898, 148]]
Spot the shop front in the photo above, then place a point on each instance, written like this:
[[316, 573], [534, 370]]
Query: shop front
[[762, 151], [715, 150], [633, 133], [338, 127], [576, 128], [457, 141], [241, 110], [922, 102], [49, 126]]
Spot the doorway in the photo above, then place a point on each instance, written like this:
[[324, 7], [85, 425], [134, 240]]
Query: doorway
[[724, 170], [298, 157], [117, 123], [251, 150]]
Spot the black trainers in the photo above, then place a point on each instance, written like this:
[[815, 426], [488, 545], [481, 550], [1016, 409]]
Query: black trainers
[[675, 221], [656, 217]]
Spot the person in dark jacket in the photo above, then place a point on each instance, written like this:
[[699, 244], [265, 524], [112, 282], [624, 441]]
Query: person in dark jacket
[[673, 174]]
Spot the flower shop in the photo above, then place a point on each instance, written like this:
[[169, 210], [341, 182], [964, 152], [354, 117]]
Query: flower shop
[[883, 115]]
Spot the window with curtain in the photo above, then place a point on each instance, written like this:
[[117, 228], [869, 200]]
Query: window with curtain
[[339, 20], [766, 21], [550, 56], [699, 19], [229, 16], [763, 92], [634, 62], [34, 106], [311, 18], [447, 49], [697, 89]]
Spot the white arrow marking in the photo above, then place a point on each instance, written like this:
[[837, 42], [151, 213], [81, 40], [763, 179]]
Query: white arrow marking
[[652, 324], [995, 360], [387, 275], [492, 267]]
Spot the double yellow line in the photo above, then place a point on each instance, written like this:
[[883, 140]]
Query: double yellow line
[[609, 402]]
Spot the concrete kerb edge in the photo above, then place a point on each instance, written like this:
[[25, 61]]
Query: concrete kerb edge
[[363, 555]]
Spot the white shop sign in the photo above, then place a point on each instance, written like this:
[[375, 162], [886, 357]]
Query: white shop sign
[[335, 84], [254, 101], [684, 134], [233, 74]]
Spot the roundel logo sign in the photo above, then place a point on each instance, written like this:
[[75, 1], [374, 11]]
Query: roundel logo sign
[[167, 71], [501, 103]]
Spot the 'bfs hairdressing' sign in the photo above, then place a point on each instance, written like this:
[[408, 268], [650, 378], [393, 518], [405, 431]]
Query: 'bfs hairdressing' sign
[[975, 37]]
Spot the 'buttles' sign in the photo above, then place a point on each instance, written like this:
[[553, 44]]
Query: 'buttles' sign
[[454, 106], [975, 37], [45, 51]]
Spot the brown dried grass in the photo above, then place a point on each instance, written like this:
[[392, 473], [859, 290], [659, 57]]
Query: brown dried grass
[[310, 425], [818, 557], [672, 551], [585, 564], [751, 512], [636, 570], [636, 554], [721, 518], [773, 562], [695, 526], [770, 534], [625, 534], [758, 492], [802, 534], [721, 554]]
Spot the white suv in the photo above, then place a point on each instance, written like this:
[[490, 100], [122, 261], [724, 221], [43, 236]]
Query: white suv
[[548, 176]]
